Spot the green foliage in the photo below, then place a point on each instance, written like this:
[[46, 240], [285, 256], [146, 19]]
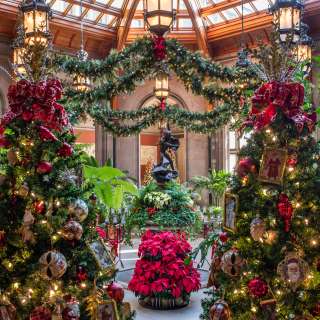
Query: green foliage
[[171, 207], [110, 185], [216, 182], [120, 73]]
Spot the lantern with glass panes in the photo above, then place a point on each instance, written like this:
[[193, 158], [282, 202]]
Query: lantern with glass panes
[[159, 16], [36, 15], [287, 19], [161, 90], [18, 52], [304, 47]]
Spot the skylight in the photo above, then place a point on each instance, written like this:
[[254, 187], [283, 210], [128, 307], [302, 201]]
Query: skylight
[[261, 4], [106, 19], [215, 18], [117, 4], [230, 14], [92, 15], [185, 23], [247, 9], [75, 11], [60, 6]]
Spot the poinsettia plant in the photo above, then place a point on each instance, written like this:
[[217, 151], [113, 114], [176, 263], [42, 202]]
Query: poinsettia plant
[[164, 268]]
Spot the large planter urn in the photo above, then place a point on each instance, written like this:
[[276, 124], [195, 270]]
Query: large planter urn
[[164, 303]]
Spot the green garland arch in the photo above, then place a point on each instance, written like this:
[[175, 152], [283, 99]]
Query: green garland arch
[[121, 72]]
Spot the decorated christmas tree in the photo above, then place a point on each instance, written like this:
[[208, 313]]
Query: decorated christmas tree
[[267, 265], [53, 266]]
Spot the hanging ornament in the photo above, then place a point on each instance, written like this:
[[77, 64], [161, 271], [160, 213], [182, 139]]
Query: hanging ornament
[[44, 167], [220, 311], [40, 313], [82, 274], [271, 236], [12, 157], [72, 230], [293, 270], [26, 232], [72, 310], [115, 292], [232, 263], [215, 267], [285, 210], [68, 176], [257, 229], [78, 209], [93, 199], [292, 160], [246, 166], [7, 309], [23, 190], [257, 287], [2, 238], [65, 151], [316, 310], [52, 265], [39, 206]]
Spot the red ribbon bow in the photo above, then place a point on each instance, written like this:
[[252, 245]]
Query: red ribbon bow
[[285, 210]]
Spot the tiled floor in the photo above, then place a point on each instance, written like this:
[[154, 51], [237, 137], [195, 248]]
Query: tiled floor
[[191, 312]]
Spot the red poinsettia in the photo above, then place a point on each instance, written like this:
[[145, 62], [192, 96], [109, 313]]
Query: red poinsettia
[[162, 268], [46, 135], [151, 211]]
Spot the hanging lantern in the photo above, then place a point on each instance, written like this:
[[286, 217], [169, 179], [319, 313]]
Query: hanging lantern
[[82, 82], [18, 52], [36, 14], [159, 16], [161, 90], [304, 47], [242, 61], [287, 19]]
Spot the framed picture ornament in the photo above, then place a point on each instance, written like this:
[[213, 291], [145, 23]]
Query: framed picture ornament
[[108, 310], [231, 205], [102, 254], [273, 165], [293, 270]]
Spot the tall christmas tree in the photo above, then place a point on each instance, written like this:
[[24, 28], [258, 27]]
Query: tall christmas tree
[[51, 258], [267, 266]]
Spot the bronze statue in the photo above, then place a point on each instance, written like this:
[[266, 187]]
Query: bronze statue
[[165, 170]]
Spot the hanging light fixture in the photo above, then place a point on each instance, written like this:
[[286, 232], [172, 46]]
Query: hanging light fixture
[[159, 16], [81, 82], [242, 61], [304, 47], [36, 15], [161, 90], [18, 52], [287, 19]]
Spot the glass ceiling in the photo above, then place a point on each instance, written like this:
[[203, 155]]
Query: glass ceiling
[[109, 12]]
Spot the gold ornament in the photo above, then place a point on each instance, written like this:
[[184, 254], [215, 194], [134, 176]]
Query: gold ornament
[[72, 230], [220, 311], [257, 229], [23, 190], [26, 232], [78, 209], [232, 263], [53, 265], [293, 270]]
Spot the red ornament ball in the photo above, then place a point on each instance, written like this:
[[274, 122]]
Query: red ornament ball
[[257, 287], [246, 166], [39, 206], [40, 313], [223, 236], [82, 274], [44, 167], [115, 292]]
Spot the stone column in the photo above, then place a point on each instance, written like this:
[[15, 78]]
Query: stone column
[[218, 150], [104, 146]]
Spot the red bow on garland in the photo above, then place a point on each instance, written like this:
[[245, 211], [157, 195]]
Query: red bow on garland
[[159, 48], [288, 97], [285, 210]]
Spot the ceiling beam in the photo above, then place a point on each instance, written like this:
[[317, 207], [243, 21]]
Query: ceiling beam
[[200, 30], [232, 28], [221, 6], [130, 8]]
